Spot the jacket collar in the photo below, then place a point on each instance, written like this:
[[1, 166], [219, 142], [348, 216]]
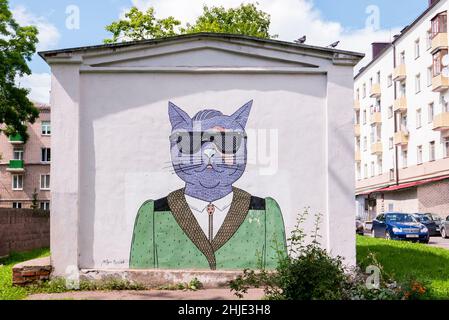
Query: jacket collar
[[184, 217]]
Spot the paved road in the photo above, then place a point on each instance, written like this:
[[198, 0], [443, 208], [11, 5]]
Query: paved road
[[209, 294], [439, 242]]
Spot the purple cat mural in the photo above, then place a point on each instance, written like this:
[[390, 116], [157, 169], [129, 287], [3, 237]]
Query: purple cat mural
[[209, 223]]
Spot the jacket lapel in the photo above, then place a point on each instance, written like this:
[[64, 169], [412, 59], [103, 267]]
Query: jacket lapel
[[236, 216], [188, 223]]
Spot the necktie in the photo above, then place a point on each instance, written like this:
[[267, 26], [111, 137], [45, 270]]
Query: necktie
[[211, 211]]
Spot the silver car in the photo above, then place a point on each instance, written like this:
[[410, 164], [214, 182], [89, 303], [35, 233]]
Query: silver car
[[444, 228]]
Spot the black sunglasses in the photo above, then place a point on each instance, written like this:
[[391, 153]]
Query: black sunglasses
[[191, 142]]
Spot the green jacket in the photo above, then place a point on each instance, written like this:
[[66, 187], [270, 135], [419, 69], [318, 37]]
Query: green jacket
[[167, 235]]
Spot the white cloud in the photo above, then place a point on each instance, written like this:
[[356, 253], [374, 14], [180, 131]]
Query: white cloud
[[48, 33], [40, 84], [290, 19]]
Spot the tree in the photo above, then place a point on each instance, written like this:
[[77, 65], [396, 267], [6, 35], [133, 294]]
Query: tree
[[139, 25], [246, 19], [17, 46]]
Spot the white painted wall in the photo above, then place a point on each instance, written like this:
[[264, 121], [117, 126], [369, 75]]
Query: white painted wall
[[124, 149]]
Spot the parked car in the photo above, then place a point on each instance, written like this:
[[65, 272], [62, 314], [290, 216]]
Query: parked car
[[427, 220], [399, 226], [445, 228], [359, 227]]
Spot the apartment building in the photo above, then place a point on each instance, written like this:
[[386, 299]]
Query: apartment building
[[25, 167], [402, 121]]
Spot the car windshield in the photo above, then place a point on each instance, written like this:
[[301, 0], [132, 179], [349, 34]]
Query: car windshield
[[400, 218], [423, 218]]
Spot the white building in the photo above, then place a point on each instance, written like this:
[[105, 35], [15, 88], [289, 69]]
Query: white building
[[111, 148], [402, 121]]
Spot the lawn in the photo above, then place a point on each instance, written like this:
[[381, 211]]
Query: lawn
[[406, 261], [7, 291]]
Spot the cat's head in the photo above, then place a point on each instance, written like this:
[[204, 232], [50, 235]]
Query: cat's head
[[209, 150]]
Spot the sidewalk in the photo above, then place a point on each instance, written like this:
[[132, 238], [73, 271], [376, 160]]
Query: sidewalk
[[209, 294]]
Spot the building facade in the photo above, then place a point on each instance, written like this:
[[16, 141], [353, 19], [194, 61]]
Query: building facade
[[402, 121], [25, 167]]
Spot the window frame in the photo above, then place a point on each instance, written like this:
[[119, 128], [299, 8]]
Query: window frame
[[15, 178], [46, 128], [47, 182]]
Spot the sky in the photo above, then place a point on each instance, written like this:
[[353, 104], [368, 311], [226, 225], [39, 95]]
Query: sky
[[73, 23]]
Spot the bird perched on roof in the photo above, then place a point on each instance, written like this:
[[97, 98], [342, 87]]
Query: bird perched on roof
[[334, 45], [301, 40]]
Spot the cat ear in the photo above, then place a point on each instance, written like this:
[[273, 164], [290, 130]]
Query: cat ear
[[177, 116], [241, 115]]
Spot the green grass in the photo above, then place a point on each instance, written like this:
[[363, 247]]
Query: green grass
[[405, 261], [7, 290]]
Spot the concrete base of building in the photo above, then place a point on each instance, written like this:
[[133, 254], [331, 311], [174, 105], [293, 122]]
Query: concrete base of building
[[153, 279]]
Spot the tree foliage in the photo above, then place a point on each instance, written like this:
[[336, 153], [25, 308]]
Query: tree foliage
[[246, 19], [17, 46], [139, 25]]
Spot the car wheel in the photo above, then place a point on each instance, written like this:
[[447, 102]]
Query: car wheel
[[443, 233]]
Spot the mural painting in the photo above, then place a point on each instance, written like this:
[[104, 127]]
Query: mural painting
[[210, 223]]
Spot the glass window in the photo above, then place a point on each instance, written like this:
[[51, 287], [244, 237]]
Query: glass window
[[429, 39], [46, 128], [18, 154], [364, 91], [417, 49], [432, 151], [446, 147], [438, 62], [429, 76], [390, 112], [45, 205], [439, 24], [418, 83], [418, 118], [404, 158], [45, 182], [391, 143], [17, 182], [46, 155], [390, 80], [17, 205], [430, 113], [419, 154]]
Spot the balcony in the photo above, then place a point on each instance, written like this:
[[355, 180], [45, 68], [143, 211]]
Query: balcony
[[439, 42], [375, 91], [401, 138], [440, 83], [16, 166], [358, 156], [16, 139], [357, 130], [400, 105], [399, 73], [376, 118], [441, 122], [356, 105], [376, 148]]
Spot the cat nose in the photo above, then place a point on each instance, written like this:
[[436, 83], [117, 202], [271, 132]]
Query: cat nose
[[209, 153]]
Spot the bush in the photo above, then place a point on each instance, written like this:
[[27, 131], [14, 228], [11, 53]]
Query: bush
[[310, 273]]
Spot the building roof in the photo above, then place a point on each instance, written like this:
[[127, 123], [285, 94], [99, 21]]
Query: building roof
[[199, 36], [400, 36]]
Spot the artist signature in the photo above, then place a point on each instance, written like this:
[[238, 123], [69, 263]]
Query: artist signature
[[114, 262]]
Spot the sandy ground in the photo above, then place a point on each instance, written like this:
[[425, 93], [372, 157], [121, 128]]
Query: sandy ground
[[209, 294]]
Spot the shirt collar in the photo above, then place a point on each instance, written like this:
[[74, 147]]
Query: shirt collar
[[201, 205]]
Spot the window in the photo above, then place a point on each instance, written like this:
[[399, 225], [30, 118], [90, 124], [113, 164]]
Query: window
[[46, 128], [17, 205], [402, 57], [391, 174], [446, 147], [432, 151], [358, 94], [365, 171], [418, 83], [364, 90], [364, 117], [379, 166], [17, 182], [45, 182], [438, 62], [429, 76], [391, 143], [391, 207], [404, 158], [430, 113], [18, 154], [418, 118], [46, 155], [44, 205], [359, 173], [357, 117], [419, 155], [365, 143], [429, 39], [378, 77], [390, 112], [439, 24], [372, 168], [417, 49], [390, 80], [402, 89], [370, 84]]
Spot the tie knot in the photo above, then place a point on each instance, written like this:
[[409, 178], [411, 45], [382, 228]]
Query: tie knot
[[210, 209]]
